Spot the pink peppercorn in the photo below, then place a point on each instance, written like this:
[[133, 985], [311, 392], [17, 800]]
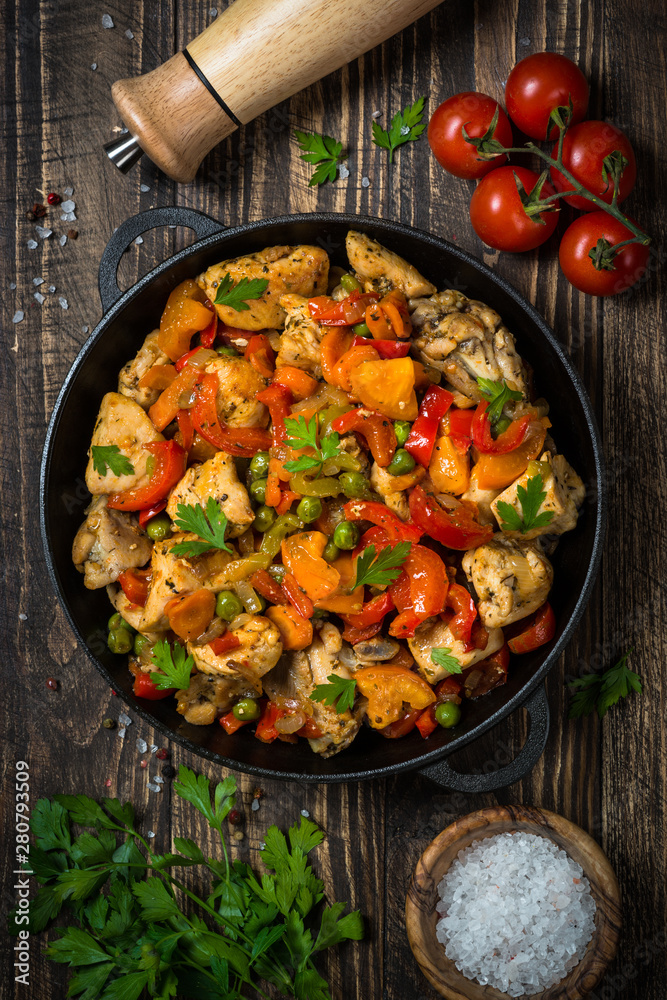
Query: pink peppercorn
[[52, 683], [162, 754], [53, 198]]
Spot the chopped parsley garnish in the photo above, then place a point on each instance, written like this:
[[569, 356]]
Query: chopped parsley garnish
[[443, 658], [236, 295], [339, 691], [384, 569], [598, 692], [302, 434], [405, 126], [322, 150], [175, 668], [109, 455], [497, 394], [210, 525], [531, 497]]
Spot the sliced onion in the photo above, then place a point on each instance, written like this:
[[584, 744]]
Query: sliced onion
[[249, 597], [214, 631], [326, 395], [291, 723]]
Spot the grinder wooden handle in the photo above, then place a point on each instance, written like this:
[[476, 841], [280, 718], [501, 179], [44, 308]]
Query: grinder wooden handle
[[254, 55]]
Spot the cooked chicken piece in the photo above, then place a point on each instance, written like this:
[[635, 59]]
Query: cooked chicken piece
[[216, 478], [385, 484], [564, 495], [466, 340], [438, 635], [108, 542], [483, 499], [239, 385], [174, 575], [381, 270], [149, 354], [301, 338], [512, 579], [132, 614], [302, 269], [123, 423], [296, 676], [258, 653], [209, 696]]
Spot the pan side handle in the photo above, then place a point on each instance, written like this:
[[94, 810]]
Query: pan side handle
[[537, 707], [127, 232]]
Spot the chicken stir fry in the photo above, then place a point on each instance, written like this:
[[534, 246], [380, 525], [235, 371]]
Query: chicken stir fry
[[322, 500]]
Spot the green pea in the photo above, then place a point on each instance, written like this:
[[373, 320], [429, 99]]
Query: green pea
[[141, 644], [158, 527], [259, 465], [246, 710], [447, 714], [309, 509], [264, 518], [331, 551], [257, 490], [401, 463], [350, 283], [361, 330], [402, 430], [228, 605], [277, 572], [120, 641], [501, 424], [354, 485], [117, 621], [346, 535], [223, 349]]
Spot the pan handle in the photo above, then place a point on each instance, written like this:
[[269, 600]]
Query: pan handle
[[537, 707], [170, 215]]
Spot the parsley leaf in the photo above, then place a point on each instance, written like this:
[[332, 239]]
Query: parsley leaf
[[405, 126], [236, 296], [531, 499], [195, 788], [210, 526], [598, 692], [303, 434], [339, 691], [50, 824], [385, 569], [442, 656], [322, 150], [497, 394], [109, 455], [174, 667]]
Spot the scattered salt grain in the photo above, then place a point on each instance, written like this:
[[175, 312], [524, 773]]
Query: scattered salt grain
[[343, 171], [139, 240], [524, 41], [68, 206], [43, 232], [23, 617], [68, 192], [93, 66], [262, 846], [36, 281], [107, 21], [153, 787], [304, 812], [172, 227], [129, 34], [18, 316], [516, 913], [405, 129], [84, 329], [31, 244], [124, 719], [144, 187], [121, 732], [12, 286], [376, 114], [142, 745], [68, 217], [365, 182], [52, 288], [213, 12], [62, 240], [65, 305], [158, 779], [150, 834], [39, 297], [153, 747], [255, 805]]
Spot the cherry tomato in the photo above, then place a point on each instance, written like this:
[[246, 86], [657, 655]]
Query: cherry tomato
[[582, 236], [585, 147], [540, 83], [475, 112], [498, 216]]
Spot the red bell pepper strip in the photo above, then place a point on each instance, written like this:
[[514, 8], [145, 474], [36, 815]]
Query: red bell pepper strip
[[447, 690], [385, 348], [354, 635], [465, 612], [207, 336], [428, 585], [507, 441], [539, 629], [460, 428], [146, 515], [269, 588], [375, 428], [185, 427], [266, 728], [134, 583], [243, 441], [287, 498], [296, 597], [144, 687], [372, 612], [279, 400], [402, 726], [421, 440], [170, 462], [347, 312], [377, 513], [454, 527], [374, 536], [231, 724], [260, 355], [224, 644]]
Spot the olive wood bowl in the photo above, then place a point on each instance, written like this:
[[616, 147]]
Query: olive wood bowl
[[421, 916]]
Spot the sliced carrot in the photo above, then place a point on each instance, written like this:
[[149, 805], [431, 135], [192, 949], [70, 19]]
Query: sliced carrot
[[296, 632], [378, 324], [157, 377], [395, 308], [300, 383], [190, 614]]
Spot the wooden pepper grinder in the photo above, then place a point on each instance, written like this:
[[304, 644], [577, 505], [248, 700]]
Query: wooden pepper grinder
[[254, 55]]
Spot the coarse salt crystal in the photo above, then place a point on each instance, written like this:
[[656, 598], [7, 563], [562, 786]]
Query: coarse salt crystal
[[23, 617], [255, 805], [376, 114], [65, 305], [142, 745], [39, 297], [68, 192], [144, 187], [153, 787], [150, 834], [62, 240], [93, 66], [129, 34], [43, 232], [35, 281], [68, 206], [52, 288], [70, 217], [153, 747], [139, 240], [343, 170], [121, 732], [524, 41], [107, 21], [158, 779], [405, 130], [84, 329], [213, 12], [31, 244], [12, 286], [18, 316], [124, 719], [304, 812], [365, 182]]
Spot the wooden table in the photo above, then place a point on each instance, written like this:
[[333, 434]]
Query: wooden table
[[608, 776]]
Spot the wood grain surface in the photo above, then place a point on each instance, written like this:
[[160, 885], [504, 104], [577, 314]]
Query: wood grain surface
[[608, 777]]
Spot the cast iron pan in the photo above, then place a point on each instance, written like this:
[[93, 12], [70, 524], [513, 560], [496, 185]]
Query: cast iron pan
[[129, 316]]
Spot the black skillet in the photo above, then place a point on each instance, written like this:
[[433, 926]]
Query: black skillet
[[130, 315]]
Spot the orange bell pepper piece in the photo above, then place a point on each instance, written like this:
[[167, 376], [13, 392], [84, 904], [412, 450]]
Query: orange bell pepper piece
[[300, 383], [336, 341], [495, 472], [157, 377], [449, 469], [296, 632], [387, 386], [302, 554], [387, 688], [184, 315], [343, 602], [350, 361]]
